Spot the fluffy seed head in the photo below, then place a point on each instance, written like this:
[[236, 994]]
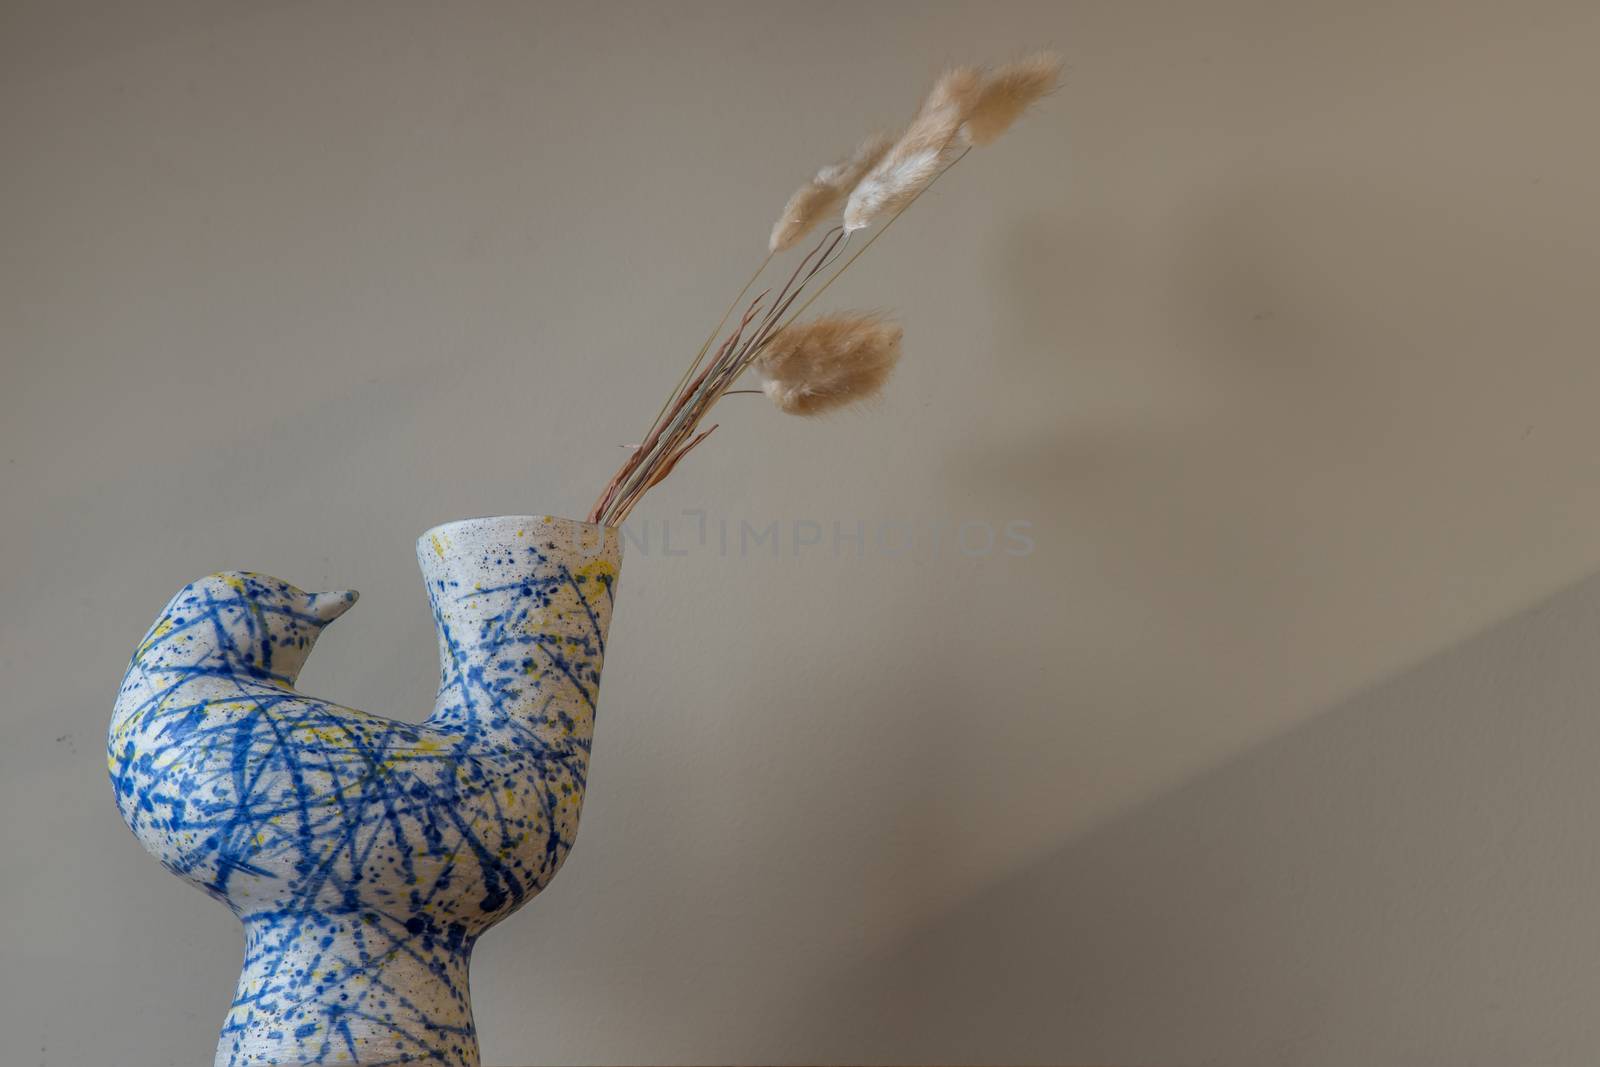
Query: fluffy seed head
[[821, 196], [926, 147], [811, 367], [1007, 92], [956, 88]]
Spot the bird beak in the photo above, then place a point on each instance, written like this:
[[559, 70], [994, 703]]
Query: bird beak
[[329, 606]]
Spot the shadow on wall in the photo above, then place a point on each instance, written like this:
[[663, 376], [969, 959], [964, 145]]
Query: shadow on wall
[[1429, 845]]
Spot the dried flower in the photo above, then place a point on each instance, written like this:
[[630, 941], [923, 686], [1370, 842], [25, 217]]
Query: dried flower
[[819, 197], [811, 367], [836, 360], [956, 88], [926, 147], [1007, 92]]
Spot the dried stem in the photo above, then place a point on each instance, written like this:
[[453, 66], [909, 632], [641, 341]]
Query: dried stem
[[712, 336]]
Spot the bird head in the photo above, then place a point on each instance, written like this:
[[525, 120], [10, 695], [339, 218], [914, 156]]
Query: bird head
[[244, 623]]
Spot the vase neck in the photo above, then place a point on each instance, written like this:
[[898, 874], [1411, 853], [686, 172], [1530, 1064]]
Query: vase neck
[[352, 988], [522, 605]]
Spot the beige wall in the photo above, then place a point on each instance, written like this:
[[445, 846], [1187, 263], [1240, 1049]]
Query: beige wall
[[1278, 325]]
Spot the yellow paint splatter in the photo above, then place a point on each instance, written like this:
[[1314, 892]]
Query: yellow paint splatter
[[599, 568]]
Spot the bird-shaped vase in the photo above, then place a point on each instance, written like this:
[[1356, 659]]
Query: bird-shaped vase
[[366, 855]]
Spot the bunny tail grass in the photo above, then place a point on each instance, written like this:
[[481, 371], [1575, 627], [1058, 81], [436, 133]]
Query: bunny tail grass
[[1007, 92], [821, 196], [926, 147], [830, 362]]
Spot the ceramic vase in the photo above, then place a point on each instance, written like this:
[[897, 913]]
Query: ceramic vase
[[366, 855]]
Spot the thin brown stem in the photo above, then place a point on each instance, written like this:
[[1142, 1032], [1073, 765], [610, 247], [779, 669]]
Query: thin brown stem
[[636, 470], [712, 336]]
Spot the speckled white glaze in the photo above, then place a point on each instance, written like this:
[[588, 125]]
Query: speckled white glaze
[[366, 855]]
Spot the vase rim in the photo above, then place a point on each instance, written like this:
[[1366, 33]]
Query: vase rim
[[513, 520]]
